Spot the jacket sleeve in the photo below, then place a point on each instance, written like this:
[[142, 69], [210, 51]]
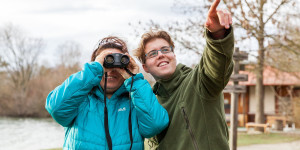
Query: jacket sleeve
[[62, 103], [152, 117], [216, 65]]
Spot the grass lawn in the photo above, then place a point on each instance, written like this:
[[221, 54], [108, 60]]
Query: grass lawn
[[249, 139]]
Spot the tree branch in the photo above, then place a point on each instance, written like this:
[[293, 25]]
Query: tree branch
[[251, 9], [276, 10]]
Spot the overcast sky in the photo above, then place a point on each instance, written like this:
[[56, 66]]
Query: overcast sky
[[82, 21], [87, 21]]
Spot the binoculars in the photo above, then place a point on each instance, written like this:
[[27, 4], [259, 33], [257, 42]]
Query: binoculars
[[116, 60]]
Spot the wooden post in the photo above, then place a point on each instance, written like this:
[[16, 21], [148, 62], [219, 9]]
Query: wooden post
[[234, 108], [235, 89]]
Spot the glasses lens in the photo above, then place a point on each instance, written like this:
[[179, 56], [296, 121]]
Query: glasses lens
[[152, 54], [166, 50]]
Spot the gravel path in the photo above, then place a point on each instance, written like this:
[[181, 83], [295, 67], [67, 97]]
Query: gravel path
[[280, 146]]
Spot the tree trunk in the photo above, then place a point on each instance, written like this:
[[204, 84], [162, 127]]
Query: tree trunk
[[259, 89], [259, 92]]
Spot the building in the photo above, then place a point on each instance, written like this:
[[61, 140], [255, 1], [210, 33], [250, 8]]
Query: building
[[282, 97]]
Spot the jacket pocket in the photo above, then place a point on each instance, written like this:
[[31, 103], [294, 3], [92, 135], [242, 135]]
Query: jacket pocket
[[189, 128]]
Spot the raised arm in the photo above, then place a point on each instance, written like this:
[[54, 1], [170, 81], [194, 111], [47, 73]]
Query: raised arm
[[62, 103], [216, 64]]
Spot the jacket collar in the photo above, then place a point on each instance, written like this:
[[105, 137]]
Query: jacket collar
[[99, 92], [165, 87]]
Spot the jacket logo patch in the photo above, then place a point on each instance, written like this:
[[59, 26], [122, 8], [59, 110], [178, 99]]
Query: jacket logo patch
[[122, 109]]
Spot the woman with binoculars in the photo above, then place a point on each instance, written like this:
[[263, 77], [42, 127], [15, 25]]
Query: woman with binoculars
[[130, 114]]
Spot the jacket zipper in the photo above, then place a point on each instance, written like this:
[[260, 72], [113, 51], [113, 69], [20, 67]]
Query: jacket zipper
[[190, 129]]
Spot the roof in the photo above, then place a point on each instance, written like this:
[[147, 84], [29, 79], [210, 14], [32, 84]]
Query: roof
[[272, 76]]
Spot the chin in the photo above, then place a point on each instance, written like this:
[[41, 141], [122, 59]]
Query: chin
[[164, 76]]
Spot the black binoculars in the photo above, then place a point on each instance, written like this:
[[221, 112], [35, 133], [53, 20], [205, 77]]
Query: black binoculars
[[116, 60]]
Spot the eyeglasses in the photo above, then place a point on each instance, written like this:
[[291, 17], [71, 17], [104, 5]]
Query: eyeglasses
[[164, 50]]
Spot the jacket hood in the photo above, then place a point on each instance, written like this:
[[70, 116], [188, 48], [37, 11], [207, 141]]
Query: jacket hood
[[165, 87]]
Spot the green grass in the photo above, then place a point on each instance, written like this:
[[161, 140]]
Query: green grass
[[249, 139]]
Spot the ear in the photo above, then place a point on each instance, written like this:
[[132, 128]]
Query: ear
[[145, 68]]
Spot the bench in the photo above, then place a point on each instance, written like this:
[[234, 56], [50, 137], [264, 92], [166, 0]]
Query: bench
[[252, 124], [272, 119]]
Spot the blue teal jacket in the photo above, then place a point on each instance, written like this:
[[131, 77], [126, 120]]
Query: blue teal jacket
[[78, 105]]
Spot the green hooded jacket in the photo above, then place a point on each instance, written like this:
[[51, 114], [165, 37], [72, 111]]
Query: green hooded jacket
[[195, 102]]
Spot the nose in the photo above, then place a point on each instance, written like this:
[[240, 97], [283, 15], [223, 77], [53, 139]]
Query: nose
[[111, 71], [108, 70], [160, 54]]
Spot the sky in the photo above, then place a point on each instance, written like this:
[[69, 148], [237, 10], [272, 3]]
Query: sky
[[84, 21]]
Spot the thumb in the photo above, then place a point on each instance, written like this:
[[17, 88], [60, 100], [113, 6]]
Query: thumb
[[123, 73]]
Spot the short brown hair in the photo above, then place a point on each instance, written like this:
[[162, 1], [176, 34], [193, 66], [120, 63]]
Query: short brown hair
[[147, 37], [109, 42]]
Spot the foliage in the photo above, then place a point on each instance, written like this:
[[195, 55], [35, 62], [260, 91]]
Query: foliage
[[20, 56], [287, 47], [24, 83], [188, 31], [257, 18]]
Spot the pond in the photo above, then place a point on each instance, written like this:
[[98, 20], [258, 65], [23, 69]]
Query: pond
[[30, 134]]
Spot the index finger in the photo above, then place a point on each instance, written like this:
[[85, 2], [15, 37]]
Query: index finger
[[131, 58], [105, 53], [214, 6]]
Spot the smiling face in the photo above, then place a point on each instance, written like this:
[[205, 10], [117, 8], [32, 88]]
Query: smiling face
[[114, 78], [163, 65]]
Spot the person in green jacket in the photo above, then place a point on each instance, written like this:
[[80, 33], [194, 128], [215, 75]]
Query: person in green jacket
[[192, 97]]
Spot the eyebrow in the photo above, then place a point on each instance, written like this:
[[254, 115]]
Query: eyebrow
[[160, 48]]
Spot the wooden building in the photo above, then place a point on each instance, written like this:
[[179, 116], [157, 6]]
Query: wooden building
[[282, 92]]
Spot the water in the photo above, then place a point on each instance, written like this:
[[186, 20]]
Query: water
[[30, 134]]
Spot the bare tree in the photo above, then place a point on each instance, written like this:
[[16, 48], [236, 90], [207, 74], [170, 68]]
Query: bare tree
[[257, 18], [187, 32], [19, 55], [2, 62], [286, 45], [69, 54]]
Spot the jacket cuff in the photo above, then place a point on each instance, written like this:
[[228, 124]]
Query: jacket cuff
[[224, 46], [95, 67], [228, 36], [136, 78]]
